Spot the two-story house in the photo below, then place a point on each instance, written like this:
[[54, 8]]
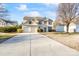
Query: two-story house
[[32, 24]]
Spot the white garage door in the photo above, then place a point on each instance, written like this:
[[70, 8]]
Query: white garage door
[[28, 29]]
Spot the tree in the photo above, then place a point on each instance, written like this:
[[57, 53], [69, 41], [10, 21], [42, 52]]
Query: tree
[[68, 12], [3, 12]]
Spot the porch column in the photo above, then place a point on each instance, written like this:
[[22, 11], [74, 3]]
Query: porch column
[[47, 29]]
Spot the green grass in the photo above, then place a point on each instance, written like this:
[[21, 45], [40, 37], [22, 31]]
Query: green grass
[[5, 36]]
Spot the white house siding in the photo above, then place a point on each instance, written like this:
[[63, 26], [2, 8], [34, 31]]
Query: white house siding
[[72, 27], [65, 28]]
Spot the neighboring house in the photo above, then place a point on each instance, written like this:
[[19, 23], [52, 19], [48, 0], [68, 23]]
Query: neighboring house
[[4, 23], [32, 24], [72, 27]]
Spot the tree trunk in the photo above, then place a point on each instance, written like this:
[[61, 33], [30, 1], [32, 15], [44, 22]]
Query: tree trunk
[[67, 28]]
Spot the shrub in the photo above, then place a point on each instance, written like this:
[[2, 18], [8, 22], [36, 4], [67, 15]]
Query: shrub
[[1, 29], [8, 29], [19, 30], [40, 30], [52, 30]]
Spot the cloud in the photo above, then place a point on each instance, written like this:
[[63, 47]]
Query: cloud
[[48, 14], [22, 7], [51, 14], [34, 14]]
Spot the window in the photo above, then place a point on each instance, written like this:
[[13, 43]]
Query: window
[[45, 22], [39, 22], [30, 22], [50, 23]]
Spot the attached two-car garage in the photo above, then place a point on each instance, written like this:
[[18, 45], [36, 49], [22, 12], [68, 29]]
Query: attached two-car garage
[[29, 29]]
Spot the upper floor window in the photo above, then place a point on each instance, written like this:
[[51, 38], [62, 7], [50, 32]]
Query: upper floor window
[[30, 22], [45, 22], [33, 19], [39, 22], [50, 23]]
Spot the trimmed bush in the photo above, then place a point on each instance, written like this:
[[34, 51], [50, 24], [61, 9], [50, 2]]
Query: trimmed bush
[[8, 29], [52, 30], [1, 29], [40, 30], [19, 30]]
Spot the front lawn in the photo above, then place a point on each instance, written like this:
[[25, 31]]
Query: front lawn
[[5, 36], [69, 39]]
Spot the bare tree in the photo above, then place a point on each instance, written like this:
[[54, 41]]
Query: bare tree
[[68, 12]]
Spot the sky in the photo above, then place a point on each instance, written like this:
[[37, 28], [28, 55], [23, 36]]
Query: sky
[[18, 10]]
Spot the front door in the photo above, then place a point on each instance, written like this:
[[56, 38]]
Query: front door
[[44, 29]]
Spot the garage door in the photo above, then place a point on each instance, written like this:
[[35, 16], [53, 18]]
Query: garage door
[[33, 29], [28, 29]]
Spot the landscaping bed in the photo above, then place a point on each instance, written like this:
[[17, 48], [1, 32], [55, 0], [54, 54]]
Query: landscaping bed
[[68, 39]]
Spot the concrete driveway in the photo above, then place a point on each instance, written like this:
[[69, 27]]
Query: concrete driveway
[[34, 45]]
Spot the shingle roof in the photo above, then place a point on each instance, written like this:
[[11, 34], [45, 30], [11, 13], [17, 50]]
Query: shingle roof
[[37, 18], [8, 21]]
